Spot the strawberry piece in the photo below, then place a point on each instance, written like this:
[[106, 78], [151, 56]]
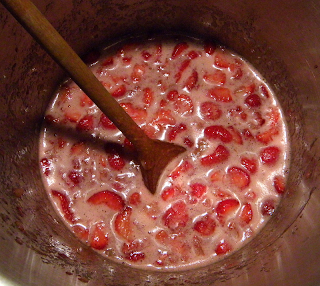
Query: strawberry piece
[[178, 50], [270, 155], [146, 55], [258, 119], [250, 164], [279, 184], [111, 199], [162, 237], [81, 232], [209, 48], [85, 123], [222, 60], [218, 132], [216, 176], [126, 60], [175, 130], [168, 193], [172, 95], [138, 72], [238, 177], [226, 207], [182, 68], [72, 116], [176, 217], [193, 55], [122, 223], [205, 226], [236, 136], [218, 77], [148, 96], [75, 177], [191, 81], [219, 155], [188, 142], [264, 91], [219, 93], [246, 213], [116, 162], [274, 116], [135, 256], [85, 100], [64, 205], [197, 244], [108, 62], [139, 115], [135, 199], [247, 134], [46, 166], [210, 110], [182, 168], [131, 247], [267, 136], [77, 148], [183, 104], [268, 207], [119, 91], [198, 190], [49, 119], [164, 116], [222, 248], [99, 239], [253, 100], [106, 123]]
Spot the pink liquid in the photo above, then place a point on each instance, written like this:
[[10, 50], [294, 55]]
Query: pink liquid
[[212, 199]]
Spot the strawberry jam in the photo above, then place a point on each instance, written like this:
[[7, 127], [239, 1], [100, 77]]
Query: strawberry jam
[[210, 200]]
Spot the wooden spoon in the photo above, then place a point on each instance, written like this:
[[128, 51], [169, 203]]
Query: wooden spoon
[[154, 155]]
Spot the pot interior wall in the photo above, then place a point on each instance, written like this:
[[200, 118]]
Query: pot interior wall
[[36, 247]]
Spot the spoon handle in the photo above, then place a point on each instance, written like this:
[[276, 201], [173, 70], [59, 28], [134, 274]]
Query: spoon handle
[[39, 27]]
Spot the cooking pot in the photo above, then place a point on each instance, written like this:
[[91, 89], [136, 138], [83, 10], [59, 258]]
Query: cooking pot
[[280, 38]]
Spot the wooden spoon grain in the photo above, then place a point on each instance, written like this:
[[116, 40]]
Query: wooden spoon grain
[[154, 155]]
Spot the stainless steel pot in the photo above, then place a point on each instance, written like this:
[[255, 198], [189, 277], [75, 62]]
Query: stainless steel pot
[[280, 38]]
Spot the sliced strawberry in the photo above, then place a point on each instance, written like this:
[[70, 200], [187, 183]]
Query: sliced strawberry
[[182, 168], [86, 123], [264, 91], [175, 130], [75, 177], [85, 100], [72, 116], [236, 136], [176, 217], [139, 115], [188, 142], [131, 247], [146, 55], [111, 199], [279, 184], [164, 116], [250, 164], [219, 93], [119, 91], [106, 123], [253, 100], [191, 81], [246, 213], [99, 239], [116, 162], [226, 207], [223, 247], [162, 237], [267, 136], [183, 104], [268, 207], [172, 95], [148, 96], [135, 199], [216, 176], [77, 148], [135, 256], [138, 72], [210, 110], [179, 49], [122, 223], [81, 232], [247, 134], [182, 68], [46, 166], [238, 112], [209, 48], [198, 190], [274, 116], [238, 177], [64, 205], [270, 155], [108, 62], [222, 60], [219, 155], [205, 226], [193, 55], [218, 132], [217, 77], [168, 193]]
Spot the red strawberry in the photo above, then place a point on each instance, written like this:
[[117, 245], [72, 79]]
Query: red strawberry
[[107, 62], [64, 205], [218, 132], [135, 199], [247, 134], [192, 55], [172, 95], [138, 72], [264, 91], [238, 177], [148, 96], [178, 50], [270, 155], [176, 217], [268, 207], [210, 110], [75, 177], [168, 193], [146, 55], [222, 248], [135, 256], [191, 81], [205, 226], [183, 104], [187, 141], [226, 207], [182, 168], [222, 60], [218, 93], [175, 130], [106, 123], [246, 213], [99, 239], [46, 166], [81, 232], [119, 91], [236, 136], [253, 100], [85, 100], [267, 136], [139, 115], [122, 223], [111, 199], [250, 164], [198, 190], [72, 116], [217, 77], [116, 162], [85, 123], [182, 68], [162, 237], [219, 155], [209, 48], [77, 148], [164, 116], [279, 184]]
